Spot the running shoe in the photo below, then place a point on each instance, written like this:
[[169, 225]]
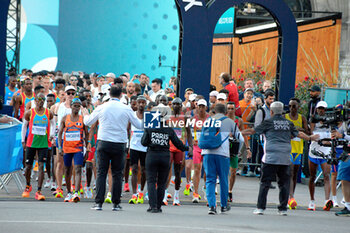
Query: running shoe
[[165, 202], [39, 196], [342, 201], [176, 201], [229, 197], [126, 187], [212, 211], [335, 202], [292, 203], [73, 188], [328, 205], [109, 198], [47, 183], [312, 206], [133, 199], [53, 186], [96, 207], [75, 197], [196, 198], [146, 197], [225, 208], [58, 193], [139, 198], [87, 192], [258, 212], [187, 190], [343, 213], [68, 197], [282, 212], [169, 196], [130, 172], [27, 190]]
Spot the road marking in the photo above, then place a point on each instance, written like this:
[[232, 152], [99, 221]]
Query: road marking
[[122, 224]]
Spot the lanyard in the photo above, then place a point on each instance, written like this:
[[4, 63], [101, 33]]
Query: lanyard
[[116, 99]]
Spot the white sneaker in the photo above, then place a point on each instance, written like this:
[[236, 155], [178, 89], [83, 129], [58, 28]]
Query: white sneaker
[[335, 202], [53, 186], [176, 200], [47, 183], [342, 201], [312, 206], [258, 212], [76, 197], [195, 200], [282, 212], [68, 197]]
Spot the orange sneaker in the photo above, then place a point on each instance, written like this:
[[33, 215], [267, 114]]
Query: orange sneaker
[[328, 205], [292, 203], [39, 196], [27, 190], [58, 193]]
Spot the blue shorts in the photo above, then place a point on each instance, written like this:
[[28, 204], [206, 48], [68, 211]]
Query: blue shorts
[[344, 171], [335, 167], [317, 160], [57, 143], [296, 158], [78, 159]]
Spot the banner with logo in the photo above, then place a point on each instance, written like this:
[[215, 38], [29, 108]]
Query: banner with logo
[[11, 154]]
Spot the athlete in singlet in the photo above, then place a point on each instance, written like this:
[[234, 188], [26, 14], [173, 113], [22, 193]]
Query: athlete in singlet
[[38, 121], [138, 154], [231, 113], [296, 154], [37, 90], [73, 143], [177, 156], [23, 98], [201, 115]]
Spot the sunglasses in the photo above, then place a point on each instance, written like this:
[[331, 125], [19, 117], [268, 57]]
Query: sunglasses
[[70, 93], [230, 108]]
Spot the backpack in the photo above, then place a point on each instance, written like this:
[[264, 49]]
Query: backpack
[[252, 119], [211, 135]]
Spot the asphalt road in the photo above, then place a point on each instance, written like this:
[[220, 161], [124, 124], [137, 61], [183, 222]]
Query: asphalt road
[[33, 216]]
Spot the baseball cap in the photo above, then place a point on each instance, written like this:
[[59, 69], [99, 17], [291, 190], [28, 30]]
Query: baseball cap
[[105, 88], [322, 104], [315, 88], [213, 93], [69, 88], [249, 89], [110, 75], [192, 97], [221, 96], [202, 102], [76, 100]]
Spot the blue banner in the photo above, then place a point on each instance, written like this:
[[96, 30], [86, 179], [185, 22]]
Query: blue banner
[[11, 155]]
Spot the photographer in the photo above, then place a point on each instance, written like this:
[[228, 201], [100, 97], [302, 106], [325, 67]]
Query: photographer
[[318, 127], [344, 169]]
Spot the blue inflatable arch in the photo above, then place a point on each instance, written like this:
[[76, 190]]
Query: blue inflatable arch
[[197, 23]]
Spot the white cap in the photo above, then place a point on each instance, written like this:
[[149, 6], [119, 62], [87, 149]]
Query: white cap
[[214, 93], [221, 96], [105, 88], [110, 75], [192, 97], [69, 88], [322, 104], [202, 102]]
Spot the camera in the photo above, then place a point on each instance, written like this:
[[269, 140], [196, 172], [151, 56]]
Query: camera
[[332, 117], [332, 157]]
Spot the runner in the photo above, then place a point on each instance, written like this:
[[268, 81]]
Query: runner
[[38, 141], [231, 113], [73, 143], [25, 96], [314, 160], [138, 155], [296, 154], [176, 155], [201, 115]]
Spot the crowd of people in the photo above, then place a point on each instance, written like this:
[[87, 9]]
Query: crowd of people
[[94, 122]]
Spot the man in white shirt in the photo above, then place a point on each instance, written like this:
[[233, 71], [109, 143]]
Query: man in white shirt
[[113, 118], [130, 91], [156, 90]]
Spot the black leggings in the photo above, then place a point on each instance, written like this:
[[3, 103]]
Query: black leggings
[[157, 171]]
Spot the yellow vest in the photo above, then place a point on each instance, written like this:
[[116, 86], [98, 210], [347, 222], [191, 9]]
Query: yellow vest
[[297, 143]]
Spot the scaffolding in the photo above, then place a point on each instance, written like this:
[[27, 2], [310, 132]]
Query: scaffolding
[[13, 35]]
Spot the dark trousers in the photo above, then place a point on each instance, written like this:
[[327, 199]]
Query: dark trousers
[[268, 174], [157, 172], [114, 154]]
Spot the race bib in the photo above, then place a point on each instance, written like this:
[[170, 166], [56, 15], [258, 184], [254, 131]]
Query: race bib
[[72, 136], [138, 134], [8, 102], [39, 130], [296, 139]]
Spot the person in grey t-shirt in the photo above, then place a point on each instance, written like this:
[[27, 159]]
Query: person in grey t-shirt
[[278, 132]]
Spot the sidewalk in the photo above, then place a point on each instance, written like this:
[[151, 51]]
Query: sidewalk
[[245, 193]]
